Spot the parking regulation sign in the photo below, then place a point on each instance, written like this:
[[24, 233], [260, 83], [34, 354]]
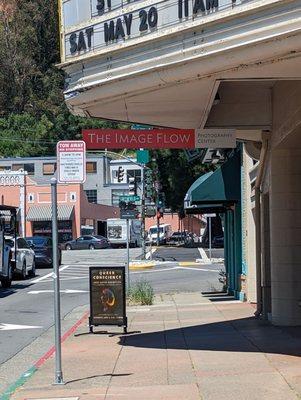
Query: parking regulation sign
[[71, 161]]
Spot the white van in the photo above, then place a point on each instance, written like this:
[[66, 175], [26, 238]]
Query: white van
[[117, 232], [165, 233]]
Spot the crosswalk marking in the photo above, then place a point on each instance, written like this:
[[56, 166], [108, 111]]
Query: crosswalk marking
[[75, 272]]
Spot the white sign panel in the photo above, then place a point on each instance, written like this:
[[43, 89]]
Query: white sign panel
[[215, 139], [103, 25], [71, 161]]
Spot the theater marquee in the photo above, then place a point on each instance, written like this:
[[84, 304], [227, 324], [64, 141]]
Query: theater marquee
[[99, 25]]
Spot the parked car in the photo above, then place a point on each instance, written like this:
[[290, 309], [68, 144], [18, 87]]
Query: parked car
[[218, 242], [177, 238], [42, 246], [24, 260], [88, 242]]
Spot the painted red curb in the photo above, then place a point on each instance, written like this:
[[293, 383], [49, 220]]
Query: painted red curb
[[51, 351]]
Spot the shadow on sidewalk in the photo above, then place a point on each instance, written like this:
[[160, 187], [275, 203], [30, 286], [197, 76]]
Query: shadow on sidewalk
[[239, 335]]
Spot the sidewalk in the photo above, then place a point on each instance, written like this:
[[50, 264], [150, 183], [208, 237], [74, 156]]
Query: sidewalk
[[186, 346]]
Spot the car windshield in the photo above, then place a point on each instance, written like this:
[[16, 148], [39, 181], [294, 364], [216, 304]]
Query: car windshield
[[37, 241], [154, 230]]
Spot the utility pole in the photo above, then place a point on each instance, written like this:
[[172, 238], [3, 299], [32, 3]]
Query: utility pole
[[127, 254], [56, 280], [143, 211], [158, 228]]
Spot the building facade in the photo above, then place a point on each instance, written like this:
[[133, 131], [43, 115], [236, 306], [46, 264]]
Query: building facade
[[101, 186], [76, 215], [216, 64]]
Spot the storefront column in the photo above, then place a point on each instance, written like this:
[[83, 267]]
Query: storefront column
[[285, 228]]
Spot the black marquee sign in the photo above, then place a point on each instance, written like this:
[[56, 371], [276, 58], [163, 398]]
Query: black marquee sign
[[107, 297]]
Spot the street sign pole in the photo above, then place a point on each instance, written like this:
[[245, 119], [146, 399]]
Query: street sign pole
[[209, 237], [56, 280], [158, 229], [143, 211], [128, 254]]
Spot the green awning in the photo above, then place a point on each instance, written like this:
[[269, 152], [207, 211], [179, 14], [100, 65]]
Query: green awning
[[215, 190]]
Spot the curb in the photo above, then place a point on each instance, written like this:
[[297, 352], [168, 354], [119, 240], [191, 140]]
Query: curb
[[188, 263], [29, 373], [142, 266]]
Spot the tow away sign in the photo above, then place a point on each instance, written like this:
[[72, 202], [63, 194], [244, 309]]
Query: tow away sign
[[71, 161]]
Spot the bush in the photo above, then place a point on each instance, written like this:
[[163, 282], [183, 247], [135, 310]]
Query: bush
[[141, 293]]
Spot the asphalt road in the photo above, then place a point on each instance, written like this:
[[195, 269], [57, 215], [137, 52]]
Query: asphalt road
[[29, 303]]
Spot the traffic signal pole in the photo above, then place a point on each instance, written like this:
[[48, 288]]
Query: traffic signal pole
[[143, 212]]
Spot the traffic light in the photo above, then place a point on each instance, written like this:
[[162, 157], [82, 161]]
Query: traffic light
[[148, 183], [120, 174], [132, 187], [160, 204], [159, 212]]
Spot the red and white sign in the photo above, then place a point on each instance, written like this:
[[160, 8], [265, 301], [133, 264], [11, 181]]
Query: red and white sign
[[71, 161], [136, 139], [159, 138]]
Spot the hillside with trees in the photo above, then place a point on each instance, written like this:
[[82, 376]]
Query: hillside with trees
[[33, 115]]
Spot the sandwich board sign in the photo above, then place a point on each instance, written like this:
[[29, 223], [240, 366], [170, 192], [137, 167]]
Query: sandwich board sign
[[107, 296], [71, 161]]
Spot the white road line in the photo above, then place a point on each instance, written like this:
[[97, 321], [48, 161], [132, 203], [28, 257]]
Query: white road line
[[203, 255], [198, 269], [42, 278], [172, 268], [11, 327], [67, 291], [148, 254], [72, 273]]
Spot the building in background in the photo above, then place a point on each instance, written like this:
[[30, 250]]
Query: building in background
[[76, 215], [101, 186], [191, 223]]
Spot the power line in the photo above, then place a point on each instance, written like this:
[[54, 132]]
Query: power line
[[26, 140]]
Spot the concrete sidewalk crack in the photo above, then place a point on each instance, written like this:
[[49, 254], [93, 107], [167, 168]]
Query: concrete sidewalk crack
[[123, 340], [166, 349], [187, 348]]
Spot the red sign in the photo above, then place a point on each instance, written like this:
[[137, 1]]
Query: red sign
[[136, 139]]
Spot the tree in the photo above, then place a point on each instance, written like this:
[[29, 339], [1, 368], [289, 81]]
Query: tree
[[176, 175]]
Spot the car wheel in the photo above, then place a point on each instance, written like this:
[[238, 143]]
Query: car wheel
[[24, 273], [91, 247], [68, 247], [32, 272]]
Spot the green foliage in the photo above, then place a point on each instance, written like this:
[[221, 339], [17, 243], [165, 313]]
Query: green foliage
[[141, 293], [33, 115], [176, 175]]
